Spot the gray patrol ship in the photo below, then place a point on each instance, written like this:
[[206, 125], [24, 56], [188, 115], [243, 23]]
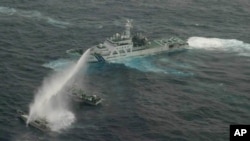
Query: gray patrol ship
[[124, 45], [40, 124], [79, 95]]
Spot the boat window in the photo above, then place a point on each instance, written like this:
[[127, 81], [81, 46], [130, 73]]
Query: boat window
[[171, 46], [122, 51], [37, 121]]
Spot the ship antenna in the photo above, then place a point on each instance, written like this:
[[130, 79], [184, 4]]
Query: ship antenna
[[128, 26]]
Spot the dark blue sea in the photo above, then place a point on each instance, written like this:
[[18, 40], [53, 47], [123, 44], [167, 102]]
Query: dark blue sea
[[192, 94]]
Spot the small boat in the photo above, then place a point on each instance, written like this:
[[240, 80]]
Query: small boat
[[80, 96], [40, 124]]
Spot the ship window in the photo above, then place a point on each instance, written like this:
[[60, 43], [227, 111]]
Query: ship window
[[37, 121], [122, 51], [171, 46], [123, 44]]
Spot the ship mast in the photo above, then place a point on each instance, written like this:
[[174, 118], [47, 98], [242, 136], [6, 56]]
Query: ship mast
[[128, 26]]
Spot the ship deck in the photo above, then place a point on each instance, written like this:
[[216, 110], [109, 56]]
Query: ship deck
[[155, 43]]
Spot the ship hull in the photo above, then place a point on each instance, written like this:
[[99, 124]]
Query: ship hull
[[137, 53], [34, 124]]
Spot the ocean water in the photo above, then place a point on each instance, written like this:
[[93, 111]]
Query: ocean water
[[192, 94]]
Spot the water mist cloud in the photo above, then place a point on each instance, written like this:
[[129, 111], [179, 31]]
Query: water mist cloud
[[50, 102]]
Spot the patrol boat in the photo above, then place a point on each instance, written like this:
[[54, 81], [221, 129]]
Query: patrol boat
[[40, 124], [124, 45], [80, 96]]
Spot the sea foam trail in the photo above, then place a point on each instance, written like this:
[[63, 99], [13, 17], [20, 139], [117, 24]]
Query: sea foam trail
[[232, 45], [55, 110], [34, 15], [148, 64]]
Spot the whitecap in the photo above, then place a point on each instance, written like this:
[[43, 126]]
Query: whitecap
[[33, 14], [57, 23], [7, 10]]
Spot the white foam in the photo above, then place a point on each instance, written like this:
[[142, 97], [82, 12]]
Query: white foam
[[60, 119], [218, 44], [49, 102], [206, 43]]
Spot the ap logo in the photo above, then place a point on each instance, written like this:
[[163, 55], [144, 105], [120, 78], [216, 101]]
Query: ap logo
[[239, 133]]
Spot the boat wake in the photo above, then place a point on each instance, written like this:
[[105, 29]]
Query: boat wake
[[157, 64], [50, 101], [32, 14], [216, 44], [170, 66], [160, 64]]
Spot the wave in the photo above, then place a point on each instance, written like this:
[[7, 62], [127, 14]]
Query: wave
[[230, 45], [34, 15], [57, 23], [7, 10]]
